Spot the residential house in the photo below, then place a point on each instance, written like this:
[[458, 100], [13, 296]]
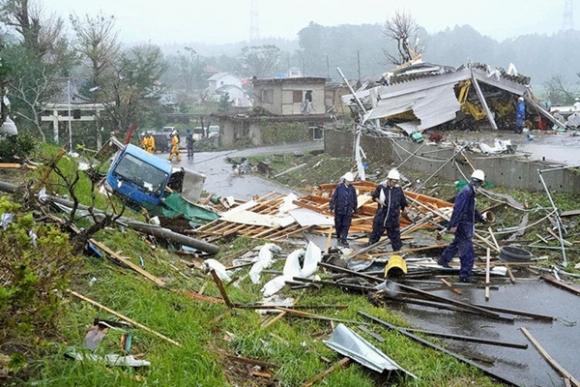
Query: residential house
[[221, 84], [290, 96]]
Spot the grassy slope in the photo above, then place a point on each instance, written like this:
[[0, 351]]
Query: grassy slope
[[289, 343]]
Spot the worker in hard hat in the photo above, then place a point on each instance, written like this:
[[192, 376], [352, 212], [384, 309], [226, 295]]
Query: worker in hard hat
[[343, 204], [520, 115], [391, 202], [174, 153], [462, 224]]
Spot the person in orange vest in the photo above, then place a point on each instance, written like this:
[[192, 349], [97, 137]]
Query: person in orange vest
[[149, 143], [174, 153]]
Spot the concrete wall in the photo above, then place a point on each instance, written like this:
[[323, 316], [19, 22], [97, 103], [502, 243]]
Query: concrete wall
[[282, 97], [510, 172]]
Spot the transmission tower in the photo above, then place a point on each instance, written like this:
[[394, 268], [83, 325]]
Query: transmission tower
[[254, 22], [568, 21]]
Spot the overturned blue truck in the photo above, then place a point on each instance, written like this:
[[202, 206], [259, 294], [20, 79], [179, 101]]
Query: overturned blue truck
[[145, 181]]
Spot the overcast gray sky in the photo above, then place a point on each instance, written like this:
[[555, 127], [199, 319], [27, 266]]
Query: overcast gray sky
[[225, 21]]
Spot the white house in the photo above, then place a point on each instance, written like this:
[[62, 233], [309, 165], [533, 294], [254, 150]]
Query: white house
[[222, 79], [222, 83]]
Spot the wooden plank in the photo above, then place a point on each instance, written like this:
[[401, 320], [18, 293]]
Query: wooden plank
[[221, 289], [450, 286], [553, 363], [157, 281], [123, 317], [561, 284], [487, 275], [319, 377]]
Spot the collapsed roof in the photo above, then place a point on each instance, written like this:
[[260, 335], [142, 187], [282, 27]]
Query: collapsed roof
[[423, 96]]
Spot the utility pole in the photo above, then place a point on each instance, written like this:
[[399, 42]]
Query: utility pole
[[358, 65], [69, 117], [327, 67]]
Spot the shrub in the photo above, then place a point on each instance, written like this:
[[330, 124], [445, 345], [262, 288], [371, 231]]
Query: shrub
[[36, 262], [16, 148]]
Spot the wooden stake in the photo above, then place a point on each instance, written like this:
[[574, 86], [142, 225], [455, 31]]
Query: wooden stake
[[493, 238], [123, 317], [125, 261], [318, 377], [487, 275], [553, 363], [450, 286], [222, 289]]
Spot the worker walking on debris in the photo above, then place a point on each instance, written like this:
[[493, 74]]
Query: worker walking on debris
[[391, 202], [174, 153], [343, 204], [520, 115], [462, 224]]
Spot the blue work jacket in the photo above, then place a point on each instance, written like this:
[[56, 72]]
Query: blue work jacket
[[464, 211], [395, 202], [343, 200]]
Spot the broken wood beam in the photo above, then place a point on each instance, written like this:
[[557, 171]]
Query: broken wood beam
[[123, 317], [553, 363], [450, 286], [222, 289], [561, 284], [436, 347], [125, 261], [319, 377]]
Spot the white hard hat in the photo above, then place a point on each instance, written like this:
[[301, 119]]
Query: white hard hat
[[394, 175], [478, 174], [521, 99], [348, 177]]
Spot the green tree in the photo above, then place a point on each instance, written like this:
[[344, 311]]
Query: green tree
[[260, 61], [136, 87]]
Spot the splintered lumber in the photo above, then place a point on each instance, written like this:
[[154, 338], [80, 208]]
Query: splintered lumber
[[487, 275], [561, 284], [125, 261], [10, 166], [553, 363], [222, 289], [471, 339], [319, 377], [436, 347], [123, 317], [291, 170], [200, 297], [450, 286]]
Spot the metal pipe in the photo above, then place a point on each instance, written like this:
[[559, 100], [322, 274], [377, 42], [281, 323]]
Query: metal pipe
[[558, 220], [429, 344], [471, 339]]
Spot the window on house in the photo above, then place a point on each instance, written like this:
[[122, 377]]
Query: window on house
[[297, 96], [267, 96]]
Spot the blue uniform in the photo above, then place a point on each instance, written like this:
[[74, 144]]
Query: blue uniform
[[520, 116], [464, 217], [344, 204], [388, 215]]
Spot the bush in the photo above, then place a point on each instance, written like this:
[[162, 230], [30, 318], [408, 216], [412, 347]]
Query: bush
[[16, 148], [36, 262]]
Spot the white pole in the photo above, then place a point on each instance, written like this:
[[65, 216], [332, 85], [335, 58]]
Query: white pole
[[69, 118]]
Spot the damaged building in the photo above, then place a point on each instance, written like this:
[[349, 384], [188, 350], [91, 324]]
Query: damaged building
[[425, 96], [285, 110]]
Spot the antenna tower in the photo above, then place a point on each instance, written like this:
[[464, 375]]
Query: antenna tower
[[254, 22], [568, 21]]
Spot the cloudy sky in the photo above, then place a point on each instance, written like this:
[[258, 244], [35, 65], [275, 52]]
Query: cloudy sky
[[225, 21]]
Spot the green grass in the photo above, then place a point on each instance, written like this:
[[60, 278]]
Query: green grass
[[293, 344]]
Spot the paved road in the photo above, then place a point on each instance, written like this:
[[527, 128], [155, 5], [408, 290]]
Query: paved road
[[220, 179]]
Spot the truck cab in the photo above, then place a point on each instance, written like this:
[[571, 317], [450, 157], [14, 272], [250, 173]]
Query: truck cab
[[138, 176]]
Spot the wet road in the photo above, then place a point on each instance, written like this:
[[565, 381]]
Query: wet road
[[524, 367], [220, 179]]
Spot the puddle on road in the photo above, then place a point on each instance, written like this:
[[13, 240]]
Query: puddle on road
[[525, 367]]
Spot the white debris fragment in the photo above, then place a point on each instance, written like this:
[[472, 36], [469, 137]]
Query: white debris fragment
[[218, 267], [265, 260]]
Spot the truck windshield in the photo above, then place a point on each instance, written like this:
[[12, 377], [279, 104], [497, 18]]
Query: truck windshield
[[139, 172]]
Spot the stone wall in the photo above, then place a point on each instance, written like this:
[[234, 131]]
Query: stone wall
[[510, 171]]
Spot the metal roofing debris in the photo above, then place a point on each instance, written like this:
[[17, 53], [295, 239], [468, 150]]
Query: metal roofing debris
[[348, 343]]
